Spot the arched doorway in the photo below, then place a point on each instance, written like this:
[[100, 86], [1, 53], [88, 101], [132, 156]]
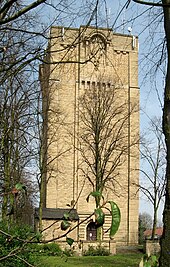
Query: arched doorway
[[91, 231]]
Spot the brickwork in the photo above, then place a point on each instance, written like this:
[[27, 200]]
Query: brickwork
[[152, 247], [81, 59]]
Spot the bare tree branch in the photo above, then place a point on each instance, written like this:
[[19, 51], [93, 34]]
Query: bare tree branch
[[151, 3], [22, 11]]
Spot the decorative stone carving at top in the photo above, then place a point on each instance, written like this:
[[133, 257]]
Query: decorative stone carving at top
[[96, 48]]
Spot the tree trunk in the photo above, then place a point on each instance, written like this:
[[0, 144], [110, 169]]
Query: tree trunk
[[154, 223], [99, 233], [165, 241]]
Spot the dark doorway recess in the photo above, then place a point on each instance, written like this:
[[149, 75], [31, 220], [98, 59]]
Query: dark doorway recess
[[91, 231]]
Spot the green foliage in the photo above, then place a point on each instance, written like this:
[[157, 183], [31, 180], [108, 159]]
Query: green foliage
[[16, 233], [68, 252], [65, 225], [100, 216], [38, 236], [150, 261], [53, 249], [13, 249], [95, 194], [116, 217], [14, 243], [98, 251], [66, 216], [50, 249], [20, 187], [69, 240]]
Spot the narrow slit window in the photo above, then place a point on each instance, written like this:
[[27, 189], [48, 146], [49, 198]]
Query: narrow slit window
[[83, 85], [98, 85], [104, 85], [93, 85], [108, 85], [88, 84]]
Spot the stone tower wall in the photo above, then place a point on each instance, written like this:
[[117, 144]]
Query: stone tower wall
[[78, 63]]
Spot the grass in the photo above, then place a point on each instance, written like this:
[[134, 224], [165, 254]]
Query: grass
[[120, 260]]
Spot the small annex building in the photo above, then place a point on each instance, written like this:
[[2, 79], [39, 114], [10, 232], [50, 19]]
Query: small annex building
[[82, 66]]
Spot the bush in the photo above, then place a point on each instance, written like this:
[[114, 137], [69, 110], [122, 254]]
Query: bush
[[69, 252], [13, 238], [12, 241], [98, 251], [150, 261], [51, 249]]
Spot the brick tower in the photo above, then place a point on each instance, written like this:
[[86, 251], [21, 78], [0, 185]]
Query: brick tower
[[79, 61]]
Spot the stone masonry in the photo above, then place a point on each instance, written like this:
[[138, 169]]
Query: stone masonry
[[78, 61]]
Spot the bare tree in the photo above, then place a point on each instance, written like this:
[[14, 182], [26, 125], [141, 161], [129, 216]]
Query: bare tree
[[103, 137], [145, 222], [16, 136], [10, 11], [153, 168], [18, 95]]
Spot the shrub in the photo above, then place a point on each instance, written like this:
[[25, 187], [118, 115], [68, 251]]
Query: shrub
[[50, 249], [68, 252], [150, 261], [98, 251], [12, 241]]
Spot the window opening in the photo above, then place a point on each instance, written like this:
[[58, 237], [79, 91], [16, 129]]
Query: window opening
[[91, 231]]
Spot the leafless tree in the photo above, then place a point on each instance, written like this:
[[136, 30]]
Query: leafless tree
[[18, 93], [153, 153], [103, 137], [145, 222]]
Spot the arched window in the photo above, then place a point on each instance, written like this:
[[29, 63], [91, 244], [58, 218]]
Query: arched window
[[91, 231], [96, 50]]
